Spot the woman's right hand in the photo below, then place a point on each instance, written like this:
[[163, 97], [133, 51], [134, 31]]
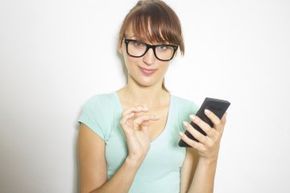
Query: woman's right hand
[[135, 125]]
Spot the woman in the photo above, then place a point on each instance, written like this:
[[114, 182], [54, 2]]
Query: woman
[[128, 139]]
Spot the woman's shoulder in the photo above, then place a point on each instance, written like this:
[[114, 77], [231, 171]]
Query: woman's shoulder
[[97, 113], [101, 104]]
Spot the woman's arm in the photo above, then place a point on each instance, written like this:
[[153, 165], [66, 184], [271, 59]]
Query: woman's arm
[[207, 148], [196, 175], [91, 160], [188, 169], [203, 180], [92, 166]]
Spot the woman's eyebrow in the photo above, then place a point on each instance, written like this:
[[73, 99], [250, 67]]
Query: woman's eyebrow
[[130, 36]]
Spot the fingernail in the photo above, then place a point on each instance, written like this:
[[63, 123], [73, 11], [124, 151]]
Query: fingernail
[[206, 111], [180, 133], [185, 123], [192, 117]]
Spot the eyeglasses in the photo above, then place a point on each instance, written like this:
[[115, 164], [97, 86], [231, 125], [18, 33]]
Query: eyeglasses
[[137, 49]]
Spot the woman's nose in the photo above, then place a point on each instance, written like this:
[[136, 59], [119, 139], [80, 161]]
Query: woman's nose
[[149, 57]]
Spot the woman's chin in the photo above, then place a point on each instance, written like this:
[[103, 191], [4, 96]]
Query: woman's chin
[[147, 82]]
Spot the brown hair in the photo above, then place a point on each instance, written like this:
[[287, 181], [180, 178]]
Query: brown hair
[[157, 16], [153, 21]]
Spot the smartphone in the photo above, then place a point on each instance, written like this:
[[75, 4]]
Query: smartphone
[[217, 106]]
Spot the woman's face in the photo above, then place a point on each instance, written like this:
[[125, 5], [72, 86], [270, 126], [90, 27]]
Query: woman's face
[[146, 70]]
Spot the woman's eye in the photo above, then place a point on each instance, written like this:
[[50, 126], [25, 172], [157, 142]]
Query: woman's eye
[[163, 47], [138, 44]]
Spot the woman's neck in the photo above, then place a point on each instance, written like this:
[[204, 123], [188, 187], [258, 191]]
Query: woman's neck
[[150, 96]]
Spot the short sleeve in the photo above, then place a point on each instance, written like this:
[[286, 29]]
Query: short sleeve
[[89, 117]]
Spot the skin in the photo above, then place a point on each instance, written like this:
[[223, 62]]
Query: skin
[[145, 108]]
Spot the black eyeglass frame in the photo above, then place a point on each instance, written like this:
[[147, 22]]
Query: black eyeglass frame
[[148, 46]]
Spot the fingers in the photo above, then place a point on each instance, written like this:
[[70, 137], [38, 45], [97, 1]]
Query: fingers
[[212, 134], [217, 122], [197, 135], [130, 113], [203, 125], [142, 119], [191, 142], [206, 145], [124, 120], [224, 118], [126, 124], [139, 108], [132, 119]]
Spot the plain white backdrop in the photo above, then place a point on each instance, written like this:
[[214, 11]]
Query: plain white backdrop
[[54, 55]]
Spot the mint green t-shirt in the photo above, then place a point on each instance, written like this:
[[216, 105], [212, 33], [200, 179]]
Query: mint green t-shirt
[[160, 170]]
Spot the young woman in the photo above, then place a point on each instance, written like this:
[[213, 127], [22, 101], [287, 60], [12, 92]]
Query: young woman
[[128, 139]]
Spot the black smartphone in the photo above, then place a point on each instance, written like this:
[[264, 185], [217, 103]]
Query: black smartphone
[[217, 106]]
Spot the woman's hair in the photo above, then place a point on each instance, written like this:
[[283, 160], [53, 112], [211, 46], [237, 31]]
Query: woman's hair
[[153, 21]]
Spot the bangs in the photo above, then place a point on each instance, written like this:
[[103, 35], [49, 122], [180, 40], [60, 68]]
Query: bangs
[[153, 25]]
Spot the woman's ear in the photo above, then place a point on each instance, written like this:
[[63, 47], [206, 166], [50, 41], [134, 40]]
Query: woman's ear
[[120, 50]]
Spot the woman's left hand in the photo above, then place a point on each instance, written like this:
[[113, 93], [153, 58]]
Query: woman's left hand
[[207, 146]]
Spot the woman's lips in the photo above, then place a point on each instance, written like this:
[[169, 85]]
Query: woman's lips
[[147, 72]]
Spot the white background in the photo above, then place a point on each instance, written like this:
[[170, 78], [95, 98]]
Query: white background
[[56, 54]]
